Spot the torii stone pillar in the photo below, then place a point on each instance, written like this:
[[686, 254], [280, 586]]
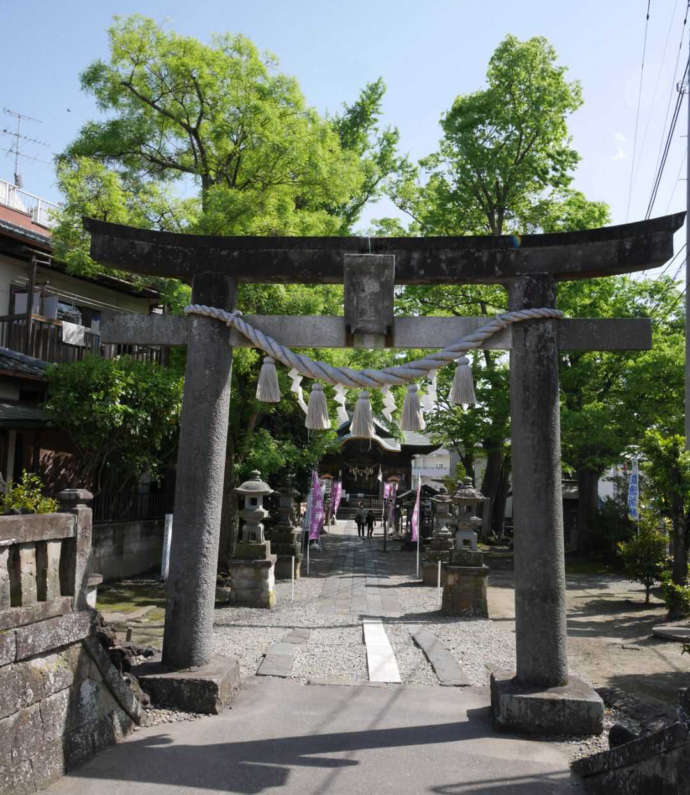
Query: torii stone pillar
[[540, 631], [542, 698], [200, 468]]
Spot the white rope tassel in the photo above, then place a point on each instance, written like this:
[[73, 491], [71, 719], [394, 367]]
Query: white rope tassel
[[430, 397], [362, 425], [462, 391], [317, 410], [296, 377], [267, 387], [389, 405], [412, 419], [341, 411]]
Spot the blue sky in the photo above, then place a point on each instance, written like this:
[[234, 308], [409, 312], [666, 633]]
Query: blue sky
[[427, 53]]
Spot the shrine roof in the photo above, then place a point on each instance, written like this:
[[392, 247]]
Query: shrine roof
[[588, 253]]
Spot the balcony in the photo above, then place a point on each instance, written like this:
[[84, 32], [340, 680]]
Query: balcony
[[44, 339], [38, 210]]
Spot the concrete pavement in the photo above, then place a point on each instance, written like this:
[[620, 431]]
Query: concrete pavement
[[284, 736]]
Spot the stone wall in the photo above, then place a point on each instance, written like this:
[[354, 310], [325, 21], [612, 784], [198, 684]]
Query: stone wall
[[656, 763], [60, 698], [125, 549]]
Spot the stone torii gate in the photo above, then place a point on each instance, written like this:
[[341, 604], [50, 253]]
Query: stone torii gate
[[542, 697]]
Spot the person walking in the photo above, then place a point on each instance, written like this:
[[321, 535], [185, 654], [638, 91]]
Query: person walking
[[370, 523], [361, 519]]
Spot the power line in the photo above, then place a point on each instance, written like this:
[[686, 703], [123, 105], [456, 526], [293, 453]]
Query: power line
[[667, 145], [658, 79], [637, 112], [674, 81]]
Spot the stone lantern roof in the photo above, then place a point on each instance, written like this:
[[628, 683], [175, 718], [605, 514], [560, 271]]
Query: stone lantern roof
[[254, 487], [468, 493]]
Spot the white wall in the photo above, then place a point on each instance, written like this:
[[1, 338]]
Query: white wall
[[15, 272]]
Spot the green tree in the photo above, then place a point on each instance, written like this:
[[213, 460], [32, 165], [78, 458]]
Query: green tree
[[504, 165], [667, 478], [122, 416], [644, 557], [610, 398], [217, 121]]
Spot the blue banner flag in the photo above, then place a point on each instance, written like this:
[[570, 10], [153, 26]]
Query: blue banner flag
[[634, 493]]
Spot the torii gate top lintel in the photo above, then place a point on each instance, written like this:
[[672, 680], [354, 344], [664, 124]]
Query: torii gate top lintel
[[606, 251]]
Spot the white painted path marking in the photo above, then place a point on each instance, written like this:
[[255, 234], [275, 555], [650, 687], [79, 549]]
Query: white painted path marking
[[380, 656]]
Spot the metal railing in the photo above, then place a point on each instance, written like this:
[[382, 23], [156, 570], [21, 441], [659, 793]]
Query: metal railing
[[131, 506], [39, 210]]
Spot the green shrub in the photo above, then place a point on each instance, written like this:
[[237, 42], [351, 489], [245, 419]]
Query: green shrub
[[27, 496], [644, 558], [677, 599]]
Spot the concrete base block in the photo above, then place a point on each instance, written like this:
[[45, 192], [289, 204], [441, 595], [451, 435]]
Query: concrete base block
[[464, 593], [253, 582], [430, 573], [570, 710], [207, 689], [284, 567]]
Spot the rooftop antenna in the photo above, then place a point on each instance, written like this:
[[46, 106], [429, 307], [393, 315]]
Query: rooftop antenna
[[17, 135]]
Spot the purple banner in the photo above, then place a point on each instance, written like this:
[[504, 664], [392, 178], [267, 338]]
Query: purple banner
[[414, 522], [336, 494], [317, 513]]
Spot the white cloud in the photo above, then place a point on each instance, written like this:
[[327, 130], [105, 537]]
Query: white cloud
[[620, 140]]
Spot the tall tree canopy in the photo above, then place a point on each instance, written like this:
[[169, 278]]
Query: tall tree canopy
[[213, 139], [504, 165]]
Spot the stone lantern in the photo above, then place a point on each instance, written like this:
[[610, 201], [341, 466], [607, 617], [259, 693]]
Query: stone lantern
[[441, 545], [254, 490], [466, 500], [285, 535], [464, 593], [252, 568]]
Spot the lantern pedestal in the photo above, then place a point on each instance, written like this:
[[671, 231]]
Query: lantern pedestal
[[465, 591], [284, 537], [253, 577], [441, 545], [441, 550]]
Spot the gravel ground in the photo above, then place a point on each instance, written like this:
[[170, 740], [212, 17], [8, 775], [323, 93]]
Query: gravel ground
[[336, 650], [156, 717]]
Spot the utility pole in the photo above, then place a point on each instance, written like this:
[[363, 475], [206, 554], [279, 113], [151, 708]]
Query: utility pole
[[687, 269]]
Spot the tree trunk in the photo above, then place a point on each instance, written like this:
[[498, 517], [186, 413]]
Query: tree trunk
[[498, 507], [228, 517], [492, 482], [588, 499], [679, 573]]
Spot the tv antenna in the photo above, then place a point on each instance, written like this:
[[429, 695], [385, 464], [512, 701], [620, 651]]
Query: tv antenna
[[15, 149]]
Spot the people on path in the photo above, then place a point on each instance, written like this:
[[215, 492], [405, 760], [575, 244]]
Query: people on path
[[361, 519], [370, 523]]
